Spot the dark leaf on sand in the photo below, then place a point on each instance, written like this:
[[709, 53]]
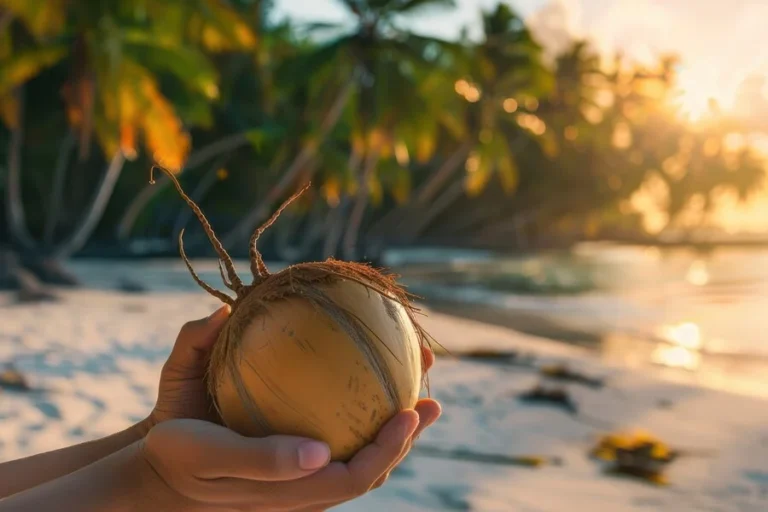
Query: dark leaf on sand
[[464, 454], [511, 357], [563, 373], [557, 397], [14, 380]]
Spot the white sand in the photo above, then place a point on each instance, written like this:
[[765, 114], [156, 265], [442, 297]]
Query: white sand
[[98, 355]]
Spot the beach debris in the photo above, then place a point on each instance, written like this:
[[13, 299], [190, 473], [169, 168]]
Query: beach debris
[[491, 355], [636, 454], [129, 285], [508, 357], [464, 454], [562, 372], [13, 380], [452, 497], [560, 397], [554, 396]]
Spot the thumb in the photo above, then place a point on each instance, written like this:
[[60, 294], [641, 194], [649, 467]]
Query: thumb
[[196, 338], [267, 459]]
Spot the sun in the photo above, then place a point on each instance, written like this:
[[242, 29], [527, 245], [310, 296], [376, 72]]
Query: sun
[[698, 88]]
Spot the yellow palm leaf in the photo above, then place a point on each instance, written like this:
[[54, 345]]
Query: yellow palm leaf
[[425, 147], [43, 18], [508, 173], [9, 111], [376, 191], [164, 134], [332, 191], [478, 174], [401, 189]]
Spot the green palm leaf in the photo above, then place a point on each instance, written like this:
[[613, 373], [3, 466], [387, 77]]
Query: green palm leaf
[[163, 55], [25, 64]]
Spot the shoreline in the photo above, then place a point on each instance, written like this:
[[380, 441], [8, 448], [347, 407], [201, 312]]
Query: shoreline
[[96, 358]]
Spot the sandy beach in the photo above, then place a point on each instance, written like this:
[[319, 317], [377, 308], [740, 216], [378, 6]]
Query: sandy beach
[[94, 358]]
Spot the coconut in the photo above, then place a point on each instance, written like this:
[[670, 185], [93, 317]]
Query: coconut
[[327, 350]]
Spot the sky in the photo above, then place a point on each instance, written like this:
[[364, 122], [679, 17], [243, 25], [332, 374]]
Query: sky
[[721, 44]]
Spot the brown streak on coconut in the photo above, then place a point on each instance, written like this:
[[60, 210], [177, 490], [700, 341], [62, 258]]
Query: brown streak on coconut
[[329, 324]]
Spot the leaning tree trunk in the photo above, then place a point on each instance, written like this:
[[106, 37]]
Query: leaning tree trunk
[[313, 232], [420, 223], [57, 190], [94, 212], [23, 253], [335, 228], [358, 210], [17, 223], [132, 213], [335, 222], [398, 216], [263, 209]]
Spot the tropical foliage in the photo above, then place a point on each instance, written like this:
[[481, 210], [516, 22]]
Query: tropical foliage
[[407, 139]]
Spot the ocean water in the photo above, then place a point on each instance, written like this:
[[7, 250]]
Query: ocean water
[[696, 317]]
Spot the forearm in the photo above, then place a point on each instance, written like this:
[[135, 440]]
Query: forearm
[[114, 483], [19, 475]]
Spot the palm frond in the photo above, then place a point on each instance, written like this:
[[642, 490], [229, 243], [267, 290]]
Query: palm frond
[[43, 18], [164, 55], [25, 64]]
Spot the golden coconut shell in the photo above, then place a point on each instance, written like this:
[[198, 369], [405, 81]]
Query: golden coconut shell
[[334, 375]]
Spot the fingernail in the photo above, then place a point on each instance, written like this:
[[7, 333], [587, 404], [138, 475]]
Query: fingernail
[[219, 312], [313, 455]]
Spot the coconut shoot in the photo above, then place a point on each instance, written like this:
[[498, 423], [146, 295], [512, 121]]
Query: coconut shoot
[[328, 350]]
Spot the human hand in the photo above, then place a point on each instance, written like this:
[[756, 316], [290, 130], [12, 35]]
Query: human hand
[[182, 392], [195, 466]]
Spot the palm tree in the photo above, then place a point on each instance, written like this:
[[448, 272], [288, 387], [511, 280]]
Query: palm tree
[[366, 66], [496, 77], [116, 55]]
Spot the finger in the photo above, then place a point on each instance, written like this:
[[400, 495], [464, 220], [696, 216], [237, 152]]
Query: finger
[[429, 411], [428, 357], [219, 454], [339, 482], [196, 338]]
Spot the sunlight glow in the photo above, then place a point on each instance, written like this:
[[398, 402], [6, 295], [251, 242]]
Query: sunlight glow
[[684, 352], [698, 275], [686, 335], [469, 90], [698, 89], [510, 105]]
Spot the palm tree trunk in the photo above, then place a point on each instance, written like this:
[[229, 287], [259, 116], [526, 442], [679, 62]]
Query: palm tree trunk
[[445, 200], [57, 190], [131, 215], [263, 209], [335, 220], [439, 178], [207, 182], [17, 224], [94, 212], [398, 215], [335, 228], [421, 222], [514, 225], [349, 244]]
